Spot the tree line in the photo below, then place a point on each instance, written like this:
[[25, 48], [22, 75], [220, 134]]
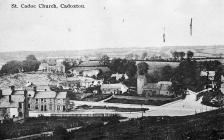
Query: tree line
[[29, 64], [186, 75]]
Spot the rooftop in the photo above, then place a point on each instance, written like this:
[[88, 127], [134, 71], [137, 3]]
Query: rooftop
[[45, 94]]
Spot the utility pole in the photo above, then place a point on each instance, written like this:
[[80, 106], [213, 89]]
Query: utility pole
[[191, 24], [164, 35]]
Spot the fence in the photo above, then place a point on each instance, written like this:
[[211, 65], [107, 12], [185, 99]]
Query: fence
[[86, 115]]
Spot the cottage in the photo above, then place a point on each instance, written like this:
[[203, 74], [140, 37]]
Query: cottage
[[210, 74], [113, 88], [90, 73], [13, 103], [119, 76], [160, 88]]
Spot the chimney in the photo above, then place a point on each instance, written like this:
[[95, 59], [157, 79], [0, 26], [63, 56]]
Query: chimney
[[25, 107], [0, 93], [12, 89], [10, 99], [35, 91]]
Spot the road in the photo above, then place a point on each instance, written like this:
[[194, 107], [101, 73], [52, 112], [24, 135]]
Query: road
[[182, 107]]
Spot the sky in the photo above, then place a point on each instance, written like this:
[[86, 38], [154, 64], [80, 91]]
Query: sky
[[110, 24]]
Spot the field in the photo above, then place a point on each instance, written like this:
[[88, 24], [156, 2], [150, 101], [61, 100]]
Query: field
[[204, 126], [44, 124], [211, 51], [156, 102]]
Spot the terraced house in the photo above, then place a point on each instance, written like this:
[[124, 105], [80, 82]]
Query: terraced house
[[50, 101]]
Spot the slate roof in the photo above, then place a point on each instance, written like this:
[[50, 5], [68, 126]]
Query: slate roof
[[61, 95], [45, 94]]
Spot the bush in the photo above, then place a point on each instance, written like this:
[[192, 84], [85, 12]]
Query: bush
[[61, 133]]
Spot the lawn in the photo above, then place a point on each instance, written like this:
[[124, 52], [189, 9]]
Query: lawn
[[113, 108], [144, 102]]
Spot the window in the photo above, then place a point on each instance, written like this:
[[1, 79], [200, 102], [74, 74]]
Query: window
[[20, 105], [50, 106], [29, 106], [58, 107], [42, 100], [63, 108], [45, 108], [36, 106], [42, 108], [36, 100]]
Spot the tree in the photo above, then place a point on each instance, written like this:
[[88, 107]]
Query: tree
[[31, 57], [131, 68], [182, 54], [166, 73], [190, 54], [104, 60], [144, 55], [12, 67], [129, 56], [142, 68], [61, 133], [30, 64], [175, 55]]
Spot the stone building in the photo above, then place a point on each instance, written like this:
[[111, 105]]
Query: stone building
[[50, 101]]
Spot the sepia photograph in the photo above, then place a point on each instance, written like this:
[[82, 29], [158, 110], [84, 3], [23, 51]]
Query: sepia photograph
[[111, 70]]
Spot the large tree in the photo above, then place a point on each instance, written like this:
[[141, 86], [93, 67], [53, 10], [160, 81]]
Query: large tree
[[166, 73], [104, 60], [30, 64], [144, 55], [142, 68], [190, 54], [31, 57], [12, 67]]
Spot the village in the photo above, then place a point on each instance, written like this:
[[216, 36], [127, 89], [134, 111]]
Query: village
[[88, 88]]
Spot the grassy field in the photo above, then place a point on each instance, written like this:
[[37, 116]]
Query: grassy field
[[113, 108], [144, 102], [204, 126], [44, 124]]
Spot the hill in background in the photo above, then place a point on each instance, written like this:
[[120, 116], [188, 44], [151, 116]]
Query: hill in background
[[209, 51]]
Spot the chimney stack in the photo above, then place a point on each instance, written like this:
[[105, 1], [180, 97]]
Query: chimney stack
[[0, 93], [10, 98], [25, 107], [35, 90], [12, 89]]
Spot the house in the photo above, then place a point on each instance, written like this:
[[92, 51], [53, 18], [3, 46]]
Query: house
[[90, 73], [88, 68], [210, 74], [118, 88], [50, 101], [119, 76], [222, 88], [160, 88], [14, 103], [150, 89], [57, 68]]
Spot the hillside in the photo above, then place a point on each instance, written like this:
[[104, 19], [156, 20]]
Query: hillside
[[208, 125], [20, 79], [114, 52]]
